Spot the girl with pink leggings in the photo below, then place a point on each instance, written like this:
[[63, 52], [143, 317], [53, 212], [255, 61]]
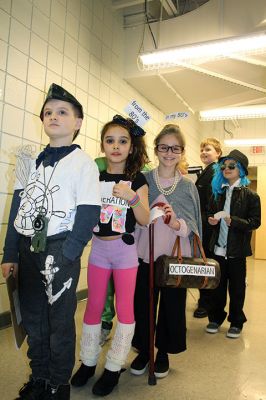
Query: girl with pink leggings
[[124, 196]]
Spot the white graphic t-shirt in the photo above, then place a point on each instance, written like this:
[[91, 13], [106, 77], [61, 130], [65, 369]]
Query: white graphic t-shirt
[[55, 192]]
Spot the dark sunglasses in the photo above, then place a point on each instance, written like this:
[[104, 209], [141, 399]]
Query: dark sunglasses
[[164, 148], [229, 166]]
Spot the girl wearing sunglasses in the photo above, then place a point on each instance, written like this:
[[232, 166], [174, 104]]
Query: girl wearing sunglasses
[[235, 212]]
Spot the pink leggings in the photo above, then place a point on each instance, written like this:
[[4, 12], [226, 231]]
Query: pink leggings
[[124, 282]]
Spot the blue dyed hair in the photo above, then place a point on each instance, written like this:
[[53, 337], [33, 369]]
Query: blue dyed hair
[[218, 179]]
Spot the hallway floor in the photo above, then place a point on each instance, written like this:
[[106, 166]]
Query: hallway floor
[[213, 368]]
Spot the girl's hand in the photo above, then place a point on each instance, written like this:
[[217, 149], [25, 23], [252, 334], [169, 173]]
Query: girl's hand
[[123, 191], [8, 268], [170, 214], [213, 221], [228, 220]]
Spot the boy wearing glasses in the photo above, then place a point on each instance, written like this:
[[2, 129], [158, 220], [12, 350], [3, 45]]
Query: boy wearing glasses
[[235, 212]]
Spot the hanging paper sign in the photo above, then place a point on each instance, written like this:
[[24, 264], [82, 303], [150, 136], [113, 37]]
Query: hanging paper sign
[[137, 113], [177, 115]]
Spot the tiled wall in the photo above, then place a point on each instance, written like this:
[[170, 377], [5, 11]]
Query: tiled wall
[[244, 129], [77, 44]]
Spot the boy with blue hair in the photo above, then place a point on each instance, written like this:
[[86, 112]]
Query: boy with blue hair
[[235, 211], [55, 206]]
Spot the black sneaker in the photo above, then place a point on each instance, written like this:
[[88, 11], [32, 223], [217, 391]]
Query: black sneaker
[[81, 377], [161, 365], [105, 332], [212, 327], [107, 325], [200, 312], [33, 390], [105, 336], [106, 383], [139, 364], [60, 392], [233, 332]]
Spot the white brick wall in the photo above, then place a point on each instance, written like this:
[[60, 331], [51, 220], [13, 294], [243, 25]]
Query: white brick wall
[[74, 43]]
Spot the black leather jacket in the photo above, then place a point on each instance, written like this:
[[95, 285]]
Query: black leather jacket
[[245, 213], [203, 184]]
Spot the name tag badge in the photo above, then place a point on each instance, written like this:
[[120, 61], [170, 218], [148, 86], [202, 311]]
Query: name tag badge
[[189, 269]]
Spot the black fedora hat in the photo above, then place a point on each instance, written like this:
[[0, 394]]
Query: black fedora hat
[[57, 92], [237, 156]]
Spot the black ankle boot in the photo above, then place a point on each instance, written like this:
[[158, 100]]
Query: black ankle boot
[[81, 377], [106, 383], [34, 389], [60, 392]]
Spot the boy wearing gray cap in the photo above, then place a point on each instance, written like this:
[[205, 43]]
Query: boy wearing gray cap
[[55, 206], [235, 212]]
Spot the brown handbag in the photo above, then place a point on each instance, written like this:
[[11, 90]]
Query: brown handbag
[[187, 272]]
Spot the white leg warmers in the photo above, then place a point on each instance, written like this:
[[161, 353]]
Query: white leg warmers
[[90, 348], [120, 346]]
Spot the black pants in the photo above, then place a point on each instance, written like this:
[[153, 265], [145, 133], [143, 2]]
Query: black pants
[[48, 304], [171, 322], [204, 294], [233, 276]]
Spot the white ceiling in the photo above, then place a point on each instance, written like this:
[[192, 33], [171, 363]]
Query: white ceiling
[[222, 83], [202, 91]]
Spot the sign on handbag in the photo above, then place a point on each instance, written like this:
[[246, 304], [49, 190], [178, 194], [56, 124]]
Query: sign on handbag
[[189, 269]]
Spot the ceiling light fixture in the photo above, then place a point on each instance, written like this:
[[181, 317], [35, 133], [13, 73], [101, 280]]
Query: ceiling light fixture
[[204, 51], [221, 114], [244, 142]]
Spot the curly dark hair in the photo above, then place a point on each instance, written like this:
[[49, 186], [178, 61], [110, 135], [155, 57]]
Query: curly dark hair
[[139, 157]]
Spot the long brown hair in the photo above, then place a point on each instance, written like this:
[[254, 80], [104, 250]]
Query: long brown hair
[[138, 157], [170, 129]]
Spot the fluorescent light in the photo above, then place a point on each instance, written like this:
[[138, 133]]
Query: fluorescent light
[[258, 111], [205, 51], [244, 142]]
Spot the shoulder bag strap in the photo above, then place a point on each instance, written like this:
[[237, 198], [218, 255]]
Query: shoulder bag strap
[[178, 247], [197, 243]]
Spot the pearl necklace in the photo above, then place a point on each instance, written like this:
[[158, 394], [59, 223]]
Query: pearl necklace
[[160, 188]]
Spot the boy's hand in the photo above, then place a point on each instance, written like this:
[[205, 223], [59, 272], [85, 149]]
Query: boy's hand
[[213, 221], [8, 268], [228, 220]]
